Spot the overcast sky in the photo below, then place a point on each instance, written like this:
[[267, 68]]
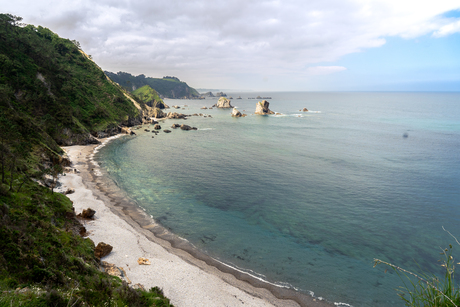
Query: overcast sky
[[265, 45]]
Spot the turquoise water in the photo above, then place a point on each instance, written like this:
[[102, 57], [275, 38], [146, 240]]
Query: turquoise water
[[307, 200]]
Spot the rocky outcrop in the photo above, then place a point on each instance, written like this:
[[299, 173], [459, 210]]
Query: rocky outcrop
[[236, 113], [187, 127], [176, 115], [157, 113], [174, 126], [87, 213], [223, 103], [102, 250], [262, 108], [113, 270]]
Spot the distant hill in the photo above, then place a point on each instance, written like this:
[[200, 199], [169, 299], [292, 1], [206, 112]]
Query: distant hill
[[168, 87]]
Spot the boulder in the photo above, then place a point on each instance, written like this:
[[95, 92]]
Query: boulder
[[87, 213], [176, 115], [69, 191], [143, 261], [187, 127], [204, 108], [102, 250], [305, 110], [113, 270], [174, 126], [167, 131], [262, 108], [157, 127], [236, 113], [223, 103]]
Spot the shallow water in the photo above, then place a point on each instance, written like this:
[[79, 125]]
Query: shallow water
[[306, 199]]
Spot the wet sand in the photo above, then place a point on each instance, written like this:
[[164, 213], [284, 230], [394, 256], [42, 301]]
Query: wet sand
[[187, 276]]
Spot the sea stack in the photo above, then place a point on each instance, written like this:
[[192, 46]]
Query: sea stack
[[236, 113], [223, 103], [262, 108]]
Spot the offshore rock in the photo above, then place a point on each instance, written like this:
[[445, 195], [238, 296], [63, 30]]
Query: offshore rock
[[262, 108], [223, 103], [176, 115], [305, 110], [167, 131], [187, 127], [102, 250], [174, 126], [236, 113], [157, 127]]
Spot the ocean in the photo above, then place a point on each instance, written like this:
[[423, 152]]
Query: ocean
[[306, 200]]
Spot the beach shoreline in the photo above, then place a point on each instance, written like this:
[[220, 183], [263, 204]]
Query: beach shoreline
[[187, 276]]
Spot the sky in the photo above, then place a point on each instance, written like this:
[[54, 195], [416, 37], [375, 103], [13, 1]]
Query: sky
[[289, 45]]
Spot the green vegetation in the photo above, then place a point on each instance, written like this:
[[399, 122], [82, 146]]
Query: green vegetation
[[429, 289], [49, 81], [51, 93], [149, 96], [169, 87]]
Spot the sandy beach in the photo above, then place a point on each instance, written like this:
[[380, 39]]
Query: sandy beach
[[187, 279]]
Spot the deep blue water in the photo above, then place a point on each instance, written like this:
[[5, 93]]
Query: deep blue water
[[307, 199]]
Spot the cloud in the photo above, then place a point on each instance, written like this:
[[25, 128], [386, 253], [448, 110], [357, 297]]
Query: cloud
[[324, 70], [215, 42]]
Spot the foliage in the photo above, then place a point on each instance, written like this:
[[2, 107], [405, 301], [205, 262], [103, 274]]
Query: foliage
[[149, 96], [429, 289], [50, 82], [49, 87], [170, 87]]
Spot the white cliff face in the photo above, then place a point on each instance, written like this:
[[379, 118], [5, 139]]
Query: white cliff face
[[262, 108]]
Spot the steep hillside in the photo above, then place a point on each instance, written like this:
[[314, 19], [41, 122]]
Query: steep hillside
[[51, 93], [50, 82], [150, 97], [168, 87]]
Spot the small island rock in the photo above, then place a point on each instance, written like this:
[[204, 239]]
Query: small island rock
[[236, 113], [262, 108], [223, 103]]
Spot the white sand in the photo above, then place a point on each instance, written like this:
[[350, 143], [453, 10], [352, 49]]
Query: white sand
[[186, 284]]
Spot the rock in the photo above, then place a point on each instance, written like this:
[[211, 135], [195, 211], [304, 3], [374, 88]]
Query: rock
[[69, 191], [223, 103], [138, 286], [102, 250], [113, 270], [143, 261], [82, 231], [174, 126], [176, 115], [236, 113], [204, 108], [167, 131], [305, 110], [277, 113], [176, 107], [157, 127], [262, 108], [132, 133], [87, 213], [185, 127], [146, 130]]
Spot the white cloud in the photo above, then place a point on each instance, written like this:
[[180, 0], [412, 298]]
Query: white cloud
[[324, 70], [215, 42]]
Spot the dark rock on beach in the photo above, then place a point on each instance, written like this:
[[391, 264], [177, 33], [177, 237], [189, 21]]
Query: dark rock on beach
[[102, 250]]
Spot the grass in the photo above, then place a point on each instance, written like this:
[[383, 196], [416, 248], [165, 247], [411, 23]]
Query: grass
[[429, 289]]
